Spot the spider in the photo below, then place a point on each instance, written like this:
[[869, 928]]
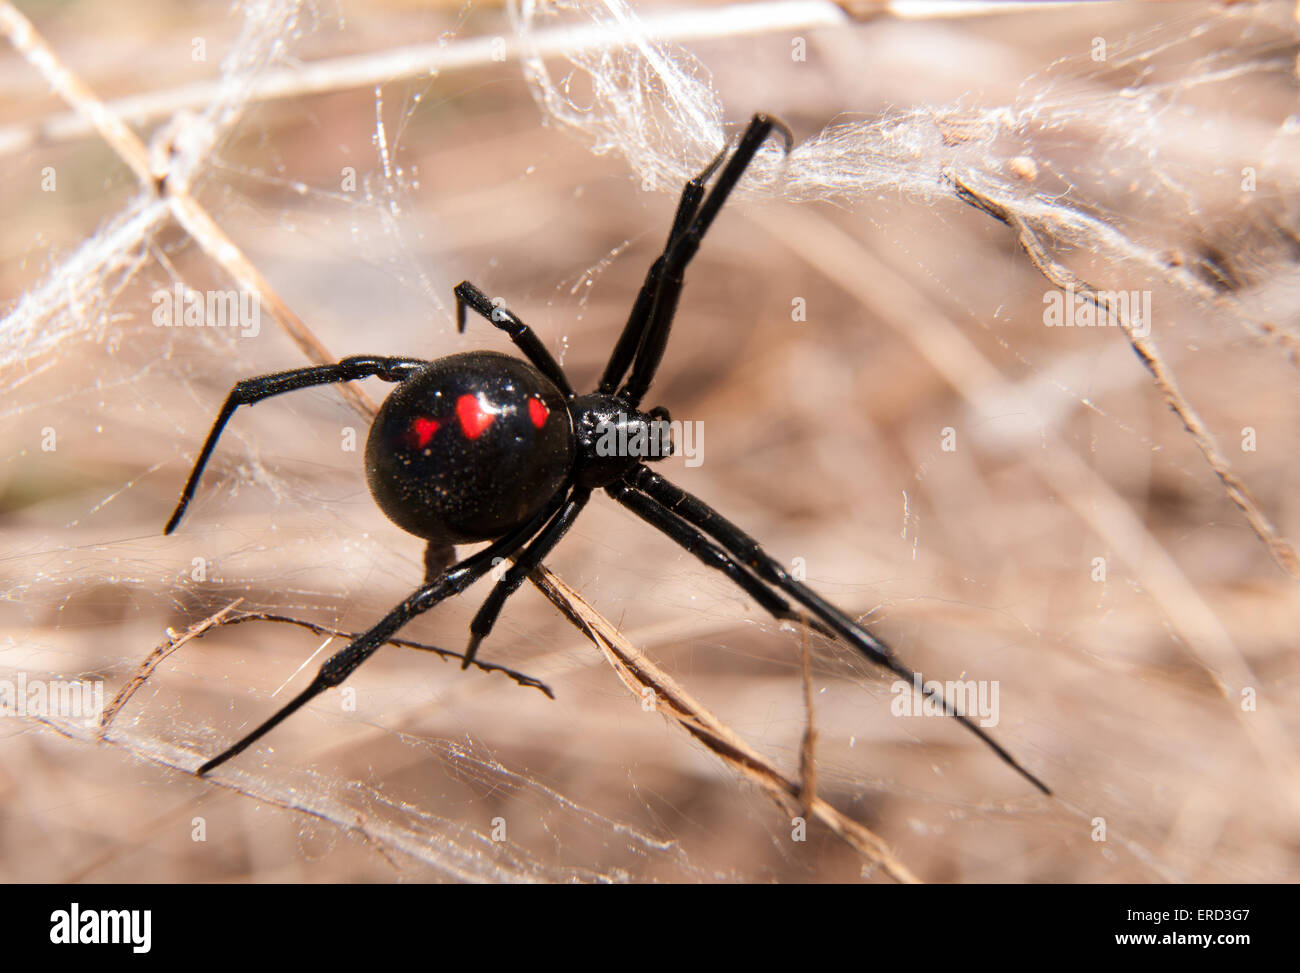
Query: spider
[[482, 446]]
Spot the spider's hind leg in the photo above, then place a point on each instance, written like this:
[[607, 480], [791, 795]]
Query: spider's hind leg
[[344, 662], [253, 390], [532, 556]]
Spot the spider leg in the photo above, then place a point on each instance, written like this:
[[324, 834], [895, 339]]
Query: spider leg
[[344, 662], [253, 390], [467, 295], [540, 546], [738, 543], [628, 341], [660, 517], [654, 336]]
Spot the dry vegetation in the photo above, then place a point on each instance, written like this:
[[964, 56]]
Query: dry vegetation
[[822, 438]]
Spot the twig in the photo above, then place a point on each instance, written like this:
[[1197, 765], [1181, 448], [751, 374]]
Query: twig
[[73, 90], [644, 678], [223, 250], [521, 678], [915, 317], [437, 58], [808, 752], [1279, 547], [225, 618], [191, 216], [154, 658]]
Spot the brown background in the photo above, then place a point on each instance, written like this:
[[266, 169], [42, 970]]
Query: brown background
[[822, 438]]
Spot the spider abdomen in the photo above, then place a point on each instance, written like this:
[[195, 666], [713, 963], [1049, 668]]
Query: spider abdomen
[[469, 448]]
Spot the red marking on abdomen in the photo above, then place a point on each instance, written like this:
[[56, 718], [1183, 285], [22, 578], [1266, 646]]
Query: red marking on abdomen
[[538, 412], [473, 418], [421, 432]]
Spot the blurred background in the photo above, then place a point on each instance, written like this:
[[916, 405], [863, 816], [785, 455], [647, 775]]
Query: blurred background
[[847, 319]]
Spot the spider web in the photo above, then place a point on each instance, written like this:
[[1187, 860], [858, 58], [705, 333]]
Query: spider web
[[538, 151]]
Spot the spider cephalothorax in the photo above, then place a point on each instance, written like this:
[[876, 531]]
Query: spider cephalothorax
[[612, 438], [485, 447]]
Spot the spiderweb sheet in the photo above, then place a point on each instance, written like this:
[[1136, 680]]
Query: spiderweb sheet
[[1094, 517]]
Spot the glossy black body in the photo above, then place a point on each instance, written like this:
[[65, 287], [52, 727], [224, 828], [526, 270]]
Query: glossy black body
[[461, 479]]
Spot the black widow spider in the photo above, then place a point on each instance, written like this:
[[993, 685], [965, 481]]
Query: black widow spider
[[481, 446]]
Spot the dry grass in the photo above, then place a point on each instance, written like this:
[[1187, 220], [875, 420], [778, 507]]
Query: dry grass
[[823, 439]]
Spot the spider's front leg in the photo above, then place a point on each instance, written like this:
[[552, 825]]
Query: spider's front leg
[[630, 338], [469, 296], [670, 269], [694, 542], [344, 662], [675, 512]]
